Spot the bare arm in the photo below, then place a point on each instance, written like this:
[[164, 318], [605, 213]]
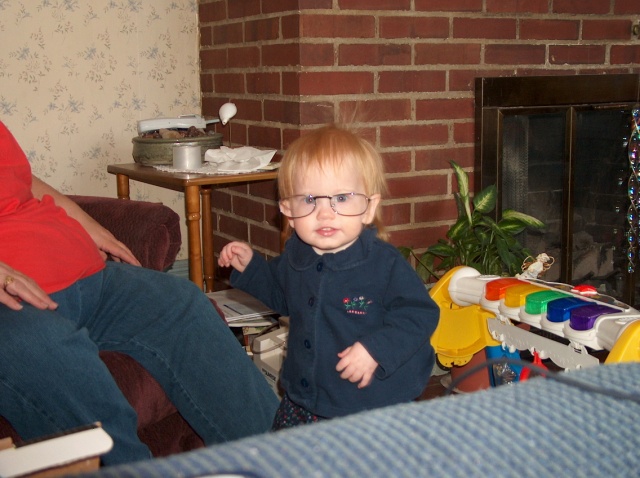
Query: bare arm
[[105, 241]]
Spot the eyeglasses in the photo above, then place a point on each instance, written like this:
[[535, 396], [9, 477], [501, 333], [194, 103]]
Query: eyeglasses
[[347, 204]]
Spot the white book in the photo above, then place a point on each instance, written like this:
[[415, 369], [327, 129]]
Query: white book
[[85, 443]]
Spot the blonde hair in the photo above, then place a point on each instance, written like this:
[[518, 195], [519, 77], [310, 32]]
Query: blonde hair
[[334, 146]]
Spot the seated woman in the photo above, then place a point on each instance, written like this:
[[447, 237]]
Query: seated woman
[[61, 303]]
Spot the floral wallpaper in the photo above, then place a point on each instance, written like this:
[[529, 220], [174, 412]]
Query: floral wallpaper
[[76, 76]]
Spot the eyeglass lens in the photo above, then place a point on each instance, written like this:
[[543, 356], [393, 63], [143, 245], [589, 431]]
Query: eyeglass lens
[[349, 204]]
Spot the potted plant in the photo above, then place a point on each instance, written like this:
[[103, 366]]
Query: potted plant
[[476, 239]]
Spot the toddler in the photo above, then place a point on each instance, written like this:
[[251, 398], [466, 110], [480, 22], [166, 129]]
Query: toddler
[[360, 318]]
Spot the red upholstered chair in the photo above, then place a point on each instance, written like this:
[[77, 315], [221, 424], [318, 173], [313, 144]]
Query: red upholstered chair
[[152, 232]]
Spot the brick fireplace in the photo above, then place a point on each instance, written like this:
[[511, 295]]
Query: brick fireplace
[[409, 66]]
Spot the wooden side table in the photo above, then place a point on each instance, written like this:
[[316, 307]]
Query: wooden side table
[[197, 196]]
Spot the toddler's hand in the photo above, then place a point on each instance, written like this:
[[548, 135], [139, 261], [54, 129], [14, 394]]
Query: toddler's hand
[[237, 255], [356, 365]]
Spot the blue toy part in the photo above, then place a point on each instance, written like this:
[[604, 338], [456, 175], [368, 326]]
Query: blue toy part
[[502, 374]]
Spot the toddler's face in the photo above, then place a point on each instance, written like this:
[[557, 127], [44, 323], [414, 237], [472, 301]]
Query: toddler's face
[[324, 229]]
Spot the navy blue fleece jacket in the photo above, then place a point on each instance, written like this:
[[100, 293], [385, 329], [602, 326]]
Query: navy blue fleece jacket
[[367, 293]]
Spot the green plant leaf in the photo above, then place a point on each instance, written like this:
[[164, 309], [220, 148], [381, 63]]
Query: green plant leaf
[[526, 219], [462, 177], [425, 268], [458, 229], [508, 226], [483, 236], [485, 201], [405, 251], [462, 196], [504, 251], [441, 249], [462, 206], [486, 222]]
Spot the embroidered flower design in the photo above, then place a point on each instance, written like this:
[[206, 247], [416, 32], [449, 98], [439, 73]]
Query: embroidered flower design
[[356, 305]]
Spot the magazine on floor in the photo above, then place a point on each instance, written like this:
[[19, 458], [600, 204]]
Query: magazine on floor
[[241, 309]]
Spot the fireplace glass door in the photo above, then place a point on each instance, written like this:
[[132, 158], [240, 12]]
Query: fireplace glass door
[[583, 200], [567, 165]]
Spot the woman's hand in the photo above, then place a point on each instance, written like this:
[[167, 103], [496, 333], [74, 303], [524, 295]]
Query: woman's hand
[[107, 243], [16, 287]]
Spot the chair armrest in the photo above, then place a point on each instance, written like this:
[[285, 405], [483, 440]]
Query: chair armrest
[[150, 230]]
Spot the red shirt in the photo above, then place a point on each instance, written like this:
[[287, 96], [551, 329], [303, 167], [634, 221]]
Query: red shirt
[[38, 238]]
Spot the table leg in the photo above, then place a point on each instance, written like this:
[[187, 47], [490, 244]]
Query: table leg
[[208, 258], [192, 205], [122, 182]]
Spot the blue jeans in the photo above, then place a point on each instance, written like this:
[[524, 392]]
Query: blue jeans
[[52, 379]]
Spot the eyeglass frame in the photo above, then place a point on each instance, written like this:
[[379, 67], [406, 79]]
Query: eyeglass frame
[[332, 203]]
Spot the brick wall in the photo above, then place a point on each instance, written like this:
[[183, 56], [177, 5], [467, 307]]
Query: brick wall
[[406, 67]]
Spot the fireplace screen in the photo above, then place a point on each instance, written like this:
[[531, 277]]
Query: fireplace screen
[[567, 165]]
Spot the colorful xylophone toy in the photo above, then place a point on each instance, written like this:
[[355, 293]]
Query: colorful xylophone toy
[[478, 311]]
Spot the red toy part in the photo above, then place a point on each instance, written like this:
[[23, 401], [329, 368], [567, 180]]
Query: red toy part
[[526, 372], [585, 289]]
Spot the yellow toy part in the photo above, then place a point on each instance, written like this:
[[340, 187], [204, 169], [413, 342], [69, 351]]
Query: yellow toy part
[[462, 331], [627, 347]]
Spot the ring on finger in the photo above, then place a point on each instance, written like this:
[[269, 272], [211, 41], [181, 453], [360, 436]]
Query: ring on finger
[[7, 281]]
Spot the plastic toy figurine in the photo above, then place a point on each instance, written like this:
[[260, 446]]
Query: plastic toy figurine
[[534, 268]]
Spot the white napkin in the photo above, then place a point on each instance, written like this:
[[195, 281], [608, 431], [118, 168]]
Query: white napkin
[[239, 160]]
